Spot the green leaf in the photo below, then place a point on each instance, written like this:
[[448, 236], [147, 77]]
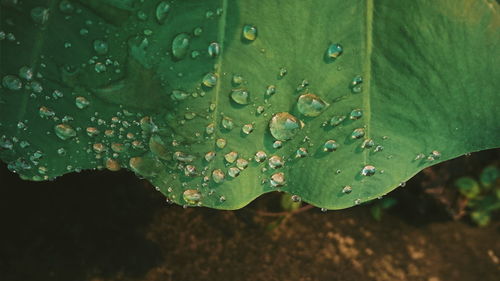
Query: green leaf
[[468, 187], [489, 176], [423, 74]]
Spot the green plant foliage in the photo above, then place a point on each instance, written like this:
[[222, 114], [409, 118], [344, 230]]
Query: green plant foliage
[[379, 206], [483, 197], [338, 101]]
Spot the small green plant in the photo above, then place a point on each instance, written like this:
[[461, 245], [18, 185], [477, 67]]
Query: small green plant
[[483, 195]]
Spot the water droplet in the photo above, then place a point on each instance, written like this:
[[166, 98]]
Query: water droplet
[[66, 7], [112, 165], [233, 172], [99, 67], [81, 102], [358, 133], [12, 82], [301, 152], [378, 148], [249, 32], [209, 156], [221, 143], [260, 109], [45, 112], [210, 80], [100, 47], [260, 156], [276, 162], [357, 201], [419, 156], [368, 170], [180, 46], [277, 144], [402, 184], [241, 163], [179, 95], [356, 114], [237, 79], [162, 10], [64, 131], [40, 15], [158, 147], [330, 145], [303, 85], [283, 72], [191, 196], [356, 84], [213, 49], [247, 129], [347, 189], [334, 51], [190, 171], [270, 90], [434, 155], [284, 126], [367, 143], [231, 156], [240, 96], [210, 129], [296, 198], [183, 157], [26, 72], [197, 31], [92, 131], [311, 105], [218, 175], [227, 123], [277, 179]]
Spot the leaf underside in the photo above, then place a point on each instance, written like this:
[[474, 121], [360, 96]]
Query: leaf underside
[[429, 84]]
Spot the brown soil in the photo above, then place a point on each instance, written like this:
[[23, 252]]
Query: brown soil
[[104, 226]]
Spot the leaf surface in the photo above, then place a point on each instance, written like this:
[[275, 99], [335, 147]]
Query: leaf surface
[[429, 92]]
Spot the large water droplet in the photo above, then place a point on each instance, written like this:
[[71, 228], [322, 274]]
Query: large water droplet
[[162, 10], [284, 126], [220, 143], [260, 156], [247, 129], [249, 32], [356, 114], [64, 131], [301, 152], [227, 123], [277, 179], [213, 49], [210, 80], [46, 112], [311, 105], [270, 90], [81, 102], [209, 156], [231, 156], [233, 172], [191, 196], [241, 163], [240, 96], [276, 162], [218, 175], [180, 46], [334, 51], [367, 143], [368, 170], [190, 171], [330, 145], [12, 82], [347, 189], [358, 133]]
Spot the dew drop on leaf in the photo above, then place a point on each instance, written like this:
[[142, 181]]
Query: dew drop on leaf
[[277, 179], [209, 156], [233, 172], [358, 133], [162, 10], [81, 102], [100, 47], [249, 32], [64, 131], [218, 175], [356, 114], [330, 145], [368, 170], [180, 46], [347, 189], [311, 105], [213, 49], [301, 152], [276, 162], [210, 80], [284, 126], [356, 84], [12, 82], [191, 196], [240, 96], [334, 51], [260, 156]]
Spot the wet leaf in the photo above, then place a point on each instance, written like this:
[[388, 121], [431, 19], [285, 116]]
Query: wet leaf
[[148, 86]]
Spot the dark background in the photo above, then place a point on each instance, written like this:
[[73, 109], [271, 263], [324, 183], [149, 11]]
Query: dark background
[[113, 226]]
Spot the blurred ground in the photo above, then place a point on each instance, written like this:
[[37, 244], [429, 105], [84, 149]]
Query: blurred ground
[[104, 226]]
